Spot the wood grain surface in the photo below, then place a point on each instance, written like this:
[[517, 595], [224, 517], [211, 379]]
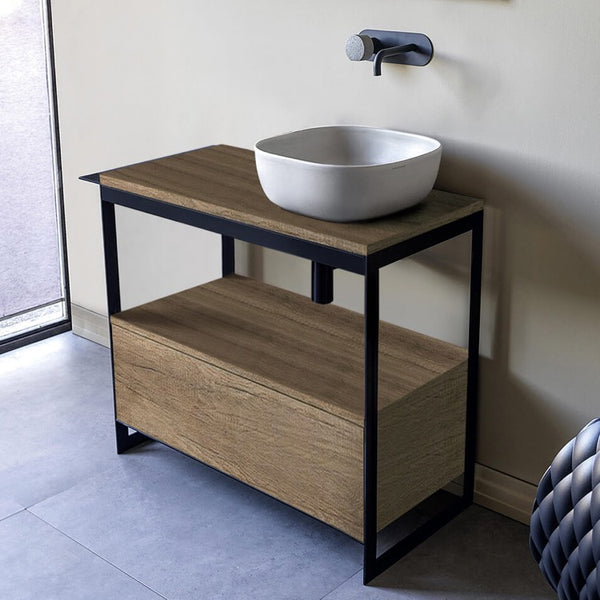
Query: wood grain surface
[[286, 342], [269, 387], [303, 456], [421, 444], [222, 180]]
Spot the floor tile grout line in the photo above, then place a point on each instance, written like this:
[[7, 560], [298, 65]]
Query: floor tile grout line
[[80, 481], [12, 514], [337, 587], [96, 554]]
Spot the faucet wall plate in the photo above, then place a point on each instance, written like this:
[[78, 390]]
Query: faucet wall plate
[[419, 58]]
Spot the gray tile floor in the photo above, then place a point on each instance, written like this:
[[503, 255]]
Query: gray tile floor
[[77, 521]]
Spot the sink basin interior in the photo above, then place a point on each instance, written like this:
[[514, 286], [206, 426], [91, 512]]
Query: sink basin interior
[[349, 145]]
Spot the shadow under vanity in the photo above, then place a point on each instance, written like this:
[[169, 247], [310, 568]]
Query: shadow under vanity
[[354, 421]]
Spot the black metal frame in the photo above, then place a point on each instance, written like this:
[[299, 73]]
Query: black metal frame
[[53, 96], [373, 564], [30, 337], [324, 260]]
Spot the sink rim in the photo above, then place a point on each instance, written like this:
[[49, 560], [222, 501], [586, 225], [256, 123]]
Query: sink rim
[[436, 146]]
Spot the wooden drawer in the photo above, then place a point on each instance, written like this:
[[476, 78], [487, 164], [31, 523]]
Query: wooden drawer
[[295, 452], [268, 387]]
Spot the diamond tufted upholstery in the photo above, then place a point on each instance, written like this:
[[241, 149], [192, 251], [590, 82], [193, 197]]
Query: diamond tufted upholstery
[[565, 523]]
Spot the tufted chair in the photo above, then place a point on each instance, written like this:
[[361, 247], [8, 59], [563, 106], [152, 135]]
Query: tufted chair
[[565, 524]]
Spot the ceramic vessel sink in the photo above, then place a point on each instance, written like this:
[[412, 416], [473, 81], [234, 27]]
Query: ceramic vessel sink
[[347, 173]]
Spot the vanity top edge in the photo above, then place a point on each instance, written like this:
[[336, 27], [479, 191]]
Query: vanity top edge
[[221, 180]]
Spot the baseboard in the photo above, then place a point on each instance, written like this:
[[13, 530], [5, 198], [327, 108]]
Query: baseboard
[[90, 325], [504, 494]]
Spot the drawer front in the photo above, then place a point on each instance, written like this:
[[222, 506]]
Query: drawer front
[[301, 455], [421, 444]]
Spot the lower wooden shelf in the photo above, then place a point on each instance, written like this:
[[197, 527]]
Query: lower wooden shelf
[[268, 387]]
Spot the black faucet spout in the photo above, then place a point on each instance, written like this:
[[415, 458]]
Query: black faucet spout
[[386, 52]]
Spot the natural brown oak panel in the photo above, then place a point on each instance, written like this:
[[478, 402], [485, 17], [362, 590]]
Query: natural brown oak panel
[[421, 444], [284, 341], [222, 180], [301, 455], [269, 387]]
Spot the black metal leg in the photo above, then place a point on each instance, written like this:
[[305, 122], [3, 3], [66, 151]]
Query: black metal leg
[[227, 255], [473, 360], [371, 422], [322, 283], [124, 439], [111, 261], [127, 440], [374, 564]]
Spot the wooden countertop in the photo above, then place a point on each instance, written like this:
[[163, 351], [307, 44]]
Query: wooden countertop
[[222, 180]]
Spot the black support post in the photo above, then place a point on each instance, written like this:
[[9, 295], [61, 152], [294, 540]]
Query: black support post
[[473, 360], [371, 283], [125, 440], [227, 255], [111, 261]]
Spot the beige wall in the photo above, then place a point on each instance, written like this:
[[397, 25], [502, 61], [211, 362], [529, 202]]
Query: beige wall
[[513, 96]]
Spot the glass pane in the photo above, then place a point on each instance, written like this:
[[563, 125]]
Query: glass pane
[[30, 248]]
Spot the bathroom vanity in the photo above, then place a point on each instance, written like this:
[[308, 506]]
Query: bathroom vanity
[[351, 420]]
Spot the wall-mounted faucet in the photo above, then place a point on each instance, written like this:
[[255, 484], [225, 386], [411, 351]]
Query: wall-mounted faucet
[[390, 46]]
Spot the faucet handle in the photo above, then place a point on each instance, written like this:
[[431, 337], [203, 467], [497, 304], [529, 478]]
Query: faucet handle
[[399, 47], [360, 47]]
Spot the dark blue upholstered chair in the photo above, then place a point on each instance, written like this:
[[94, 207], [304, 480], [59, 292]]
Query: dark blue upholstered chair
[[565, 524]]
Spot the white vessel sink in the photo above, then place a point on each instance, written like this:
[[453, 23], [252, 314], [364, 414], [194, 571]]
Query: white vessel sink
[[347, 173]]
